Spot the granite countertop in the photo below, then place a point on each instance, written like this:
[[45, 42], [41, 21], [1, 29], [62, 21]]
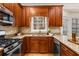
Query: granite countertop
[[64, 40], [22, 36]]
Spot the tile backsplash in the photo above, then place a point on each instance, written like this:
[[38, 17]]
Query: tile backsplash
[[55, 29], [25, 30], [9, 29]]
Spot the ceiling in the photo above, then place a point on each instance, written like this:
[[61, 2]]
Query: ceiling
[[70, 7]]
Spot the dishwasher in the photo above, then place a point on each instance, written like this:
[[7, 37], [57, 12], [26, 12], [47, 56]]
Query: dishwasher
[[56, 47]]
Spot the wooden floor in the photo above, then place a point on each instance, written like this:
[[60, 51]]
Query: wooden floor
[[39, 54]]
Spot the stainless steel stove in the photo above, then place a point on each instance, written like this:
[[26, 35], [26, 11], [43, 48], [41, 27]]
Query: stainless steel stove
[[10, 46], [7, 42]]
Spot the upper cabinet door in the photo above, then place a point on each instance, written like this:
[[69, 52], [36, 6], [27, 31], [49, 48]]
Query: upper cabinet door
[[10, 6], [17, 15], [58, 16], [51, 16], [39, 11], [25, 17], [55, 16]]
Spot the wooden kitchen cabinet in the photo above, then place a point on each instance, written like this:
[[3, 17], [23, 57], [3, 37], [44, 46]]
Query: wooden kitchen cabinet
[[39, 11], [41, 44], [23, 14], [55, 16], [34, 44], [25, 45], [38, 44], [9, 6], [25, 17], [51, 44], [58, 14], [44, 45], [16, 9], [65, 51], [52, 17], [28, 12], [18, 15]]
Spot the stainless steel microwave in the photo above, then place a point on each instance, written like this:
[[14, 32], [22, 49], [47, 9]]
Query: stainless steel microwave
[[6, 16]]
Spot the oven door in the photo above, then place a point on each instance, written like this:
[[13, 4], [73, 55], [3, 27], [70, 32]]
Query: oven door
[[15, 52]]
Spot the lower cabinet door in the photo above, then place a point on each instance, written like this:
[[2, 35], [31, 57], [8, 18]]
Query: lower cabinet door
[[44, 46], [25, 45], [34, 45], [51, 45]]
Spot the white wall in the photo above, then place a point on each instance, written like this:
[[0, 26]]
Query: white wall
[[74, 14], [65, 13], [71, 14]]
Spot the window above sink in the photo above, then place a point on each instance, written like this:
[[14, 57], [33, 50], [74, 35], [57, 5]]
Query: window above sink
[[39, 24]]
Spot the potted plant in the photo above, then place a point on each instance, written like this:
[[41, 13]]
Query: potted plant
[[49, 31]]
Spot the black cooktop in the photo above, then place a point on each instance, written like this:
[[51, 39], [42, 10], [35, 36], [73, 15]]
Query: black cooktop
[[7, 42]]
